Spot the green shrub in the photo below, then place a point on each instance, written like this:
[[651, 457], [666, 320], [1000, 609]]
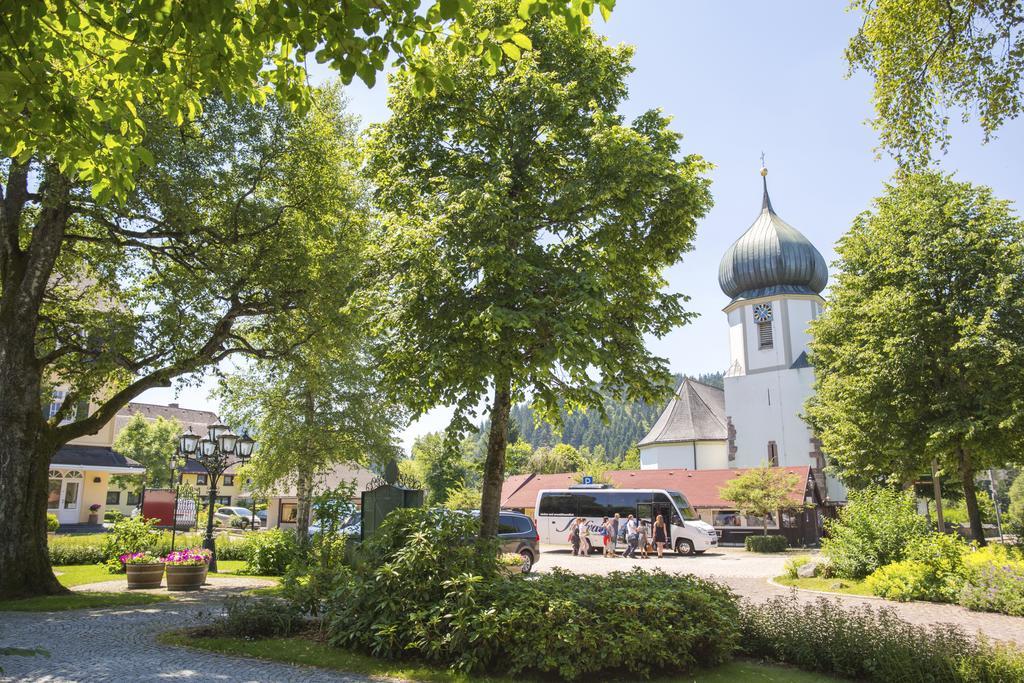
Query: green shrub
[[866, 644], [128, 535], [933, 570], [246, 617], [426, 589], [766, 544], [51, 522], [65, 550], [113, 516], [994, 580], [269, 553], [873, 530], [794, 564]]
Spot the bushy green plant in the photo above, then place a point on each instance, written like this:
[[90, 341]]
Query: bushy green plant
[[873, 529], [994, 580], [52, 524], [766, 544], [933, 570], [426, 589], [248, 617], [270, 553], [794, 564], [126, 536], [875, 645], [65, 550]]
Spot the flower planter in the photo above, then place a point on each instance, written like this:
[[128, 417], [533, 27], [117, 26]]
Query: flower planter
[[94, 519], [185, 577], [145, 575]]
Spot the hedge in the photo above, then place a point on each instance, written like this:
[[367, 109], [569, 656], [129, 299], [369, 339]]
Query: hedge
[[766, 544]]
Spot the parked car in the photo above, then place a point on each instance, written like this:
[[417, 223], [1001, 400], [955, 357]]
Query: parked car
[[262, 516], [226, 516], [518, 534]]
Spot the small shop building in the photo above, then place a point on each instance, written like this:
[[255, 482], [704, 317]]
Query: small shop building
[[801, 526], [80, 478]]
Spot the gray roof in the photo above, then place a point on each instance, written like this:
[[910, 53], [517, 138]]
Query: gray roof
[[771, 258], [173, 411], [92, 456], [695, 413]]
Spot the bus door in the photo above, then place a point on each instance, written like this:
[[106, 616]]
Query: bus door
[[645, 511], [667, 511]]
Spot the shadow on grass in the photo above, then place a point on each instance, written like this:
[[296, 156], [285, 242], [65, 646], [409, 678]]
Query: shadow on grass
[[306, 651], [81, 600]]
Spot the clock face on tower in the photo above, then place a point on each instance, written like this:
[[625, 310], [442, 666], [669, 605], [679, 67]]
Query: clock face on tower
[[762, 313]]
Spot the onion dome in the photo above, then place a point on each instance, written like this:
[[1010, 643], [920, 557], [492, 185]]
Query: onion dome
[[770, 258]]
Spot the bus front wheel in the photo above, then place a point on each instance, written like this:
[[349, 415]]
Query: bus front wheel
[[684, 546]]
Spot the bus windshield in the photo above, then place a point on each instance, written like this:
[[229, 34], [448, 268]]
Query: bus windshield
[[685, 509]]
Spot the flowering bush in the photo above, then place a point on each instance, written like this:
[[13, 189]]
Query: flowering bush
[[994, 581], [129, 535], [190, 557], [144, 557]]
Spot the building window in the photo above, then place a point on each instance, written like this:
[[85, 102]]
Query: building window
[[289, 513], [773, 454], [133, 499], [229, 480], [200, 480], [764, 335], [113, 497], [223, 500]]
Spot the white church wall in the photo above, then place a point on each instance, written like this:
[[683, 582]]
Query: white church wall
[[766, 407], [737, 360], [706, 454], [800, 312], [757, 358]]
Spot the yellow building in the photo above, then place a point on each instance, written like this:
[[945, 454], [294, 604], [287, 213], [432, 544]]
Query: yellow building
[[231, 489], [80, 472]]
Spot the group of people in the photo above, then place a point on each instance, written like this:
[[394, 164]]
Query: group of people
[[635, 532]]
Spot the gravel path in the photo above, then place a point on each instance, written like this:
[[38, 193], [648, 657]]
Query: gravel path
[[118, 644], [748, 575]]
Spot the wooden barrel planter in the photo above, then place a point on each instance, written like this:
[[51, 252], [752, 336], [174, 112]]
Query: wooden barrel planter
[[185, 577], [145, 575]]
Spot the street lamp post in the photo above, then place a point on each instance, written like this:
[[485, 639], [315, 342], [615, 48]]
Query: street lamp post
[[215, 453]]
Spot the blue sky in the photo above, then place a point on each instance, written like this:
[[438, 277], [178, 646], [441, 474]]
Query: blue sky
[[740, 78]]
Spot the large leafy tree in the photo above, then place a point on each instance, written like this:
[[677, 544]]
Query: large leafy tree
[[919, 354], [76, 75], [763, 491], [930, 59], [152, 443], [237, 223], [526, 225]]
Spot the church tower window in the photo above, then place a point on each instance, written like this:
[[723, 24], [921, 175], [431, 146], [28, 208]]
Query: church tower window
[[765, 340]]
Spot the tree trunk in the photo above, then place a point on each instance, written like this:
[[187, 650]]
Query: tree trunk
[[494, 466], [940, 520], [970, 495], [24, 485], [303, 486]]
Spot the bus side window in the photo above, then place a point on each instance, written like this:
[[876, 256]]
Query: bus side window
[[557, 504]]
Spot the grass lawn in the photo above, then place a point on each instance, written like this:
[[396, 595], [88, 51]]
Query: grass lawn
[[817, 583], [80, 574], [304, 651], [59, 603]]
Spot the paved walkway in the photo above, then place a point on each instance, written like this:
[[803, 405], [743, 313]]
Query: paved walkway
[[748, 575], [119, 645]]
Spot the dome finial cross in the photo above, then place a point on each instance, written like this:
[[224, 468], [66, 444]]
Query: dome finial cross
[[766, 202]]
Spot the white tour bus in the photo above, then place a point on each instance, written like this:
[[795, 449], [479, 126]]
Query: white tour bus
[[556, 508]]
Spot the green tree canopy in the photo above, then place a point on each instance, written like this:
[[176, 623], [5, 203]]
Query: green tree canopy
[[246, 216], [526, 225], [76, 76], [919, 354], [929, 59], [153, 444], [762, 491]]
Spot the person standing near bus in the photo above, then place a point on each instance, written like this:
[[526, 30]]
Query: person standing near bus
[[642, 534], [632, 538], [574, 536], [616, 521], [584, 537], [660, 535], [606, 534]]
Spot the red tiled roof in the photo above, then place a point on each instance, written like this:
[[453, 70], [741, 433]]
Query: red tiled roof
[[700, 487]]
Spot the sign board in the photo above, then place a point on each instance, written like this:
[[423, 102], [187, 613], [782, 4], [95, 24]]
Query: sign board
[[588, 480]]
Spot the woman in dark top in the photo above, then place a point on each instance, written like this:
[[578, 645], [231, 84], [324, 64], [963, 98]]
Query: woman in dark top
[[660, 534]]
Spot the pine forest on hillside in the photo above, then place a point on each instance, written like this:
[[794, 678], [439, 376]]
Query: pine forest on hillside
[[627, 423]]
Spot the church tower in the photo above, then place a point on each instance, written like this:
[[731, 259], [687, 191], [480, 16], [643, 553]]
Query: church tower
[[774, 277]]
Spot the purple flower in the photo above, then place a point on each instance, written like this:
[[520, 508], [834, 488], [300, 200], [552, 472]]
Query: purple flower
[[190, 557]]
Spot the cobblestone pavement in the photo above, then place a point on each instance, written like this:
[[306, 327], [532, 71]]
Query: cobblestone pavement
[[119, 645], [748, 575]]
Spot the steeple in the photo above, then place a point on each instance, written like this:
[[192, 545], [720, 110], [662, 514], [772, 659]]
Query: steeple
[[771, 258], [766, 201]]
